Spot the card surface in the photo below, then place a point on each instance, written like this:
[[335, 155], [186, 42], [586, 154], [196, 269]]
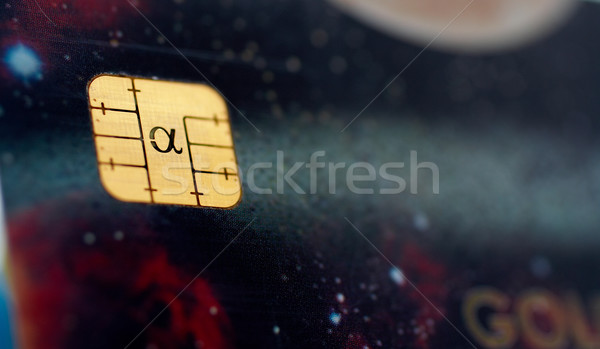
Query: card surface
[[163, 142]]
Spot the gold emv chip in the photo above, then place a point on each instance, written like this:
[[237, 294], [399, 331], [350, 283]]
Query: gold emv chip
[[163, 142]]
